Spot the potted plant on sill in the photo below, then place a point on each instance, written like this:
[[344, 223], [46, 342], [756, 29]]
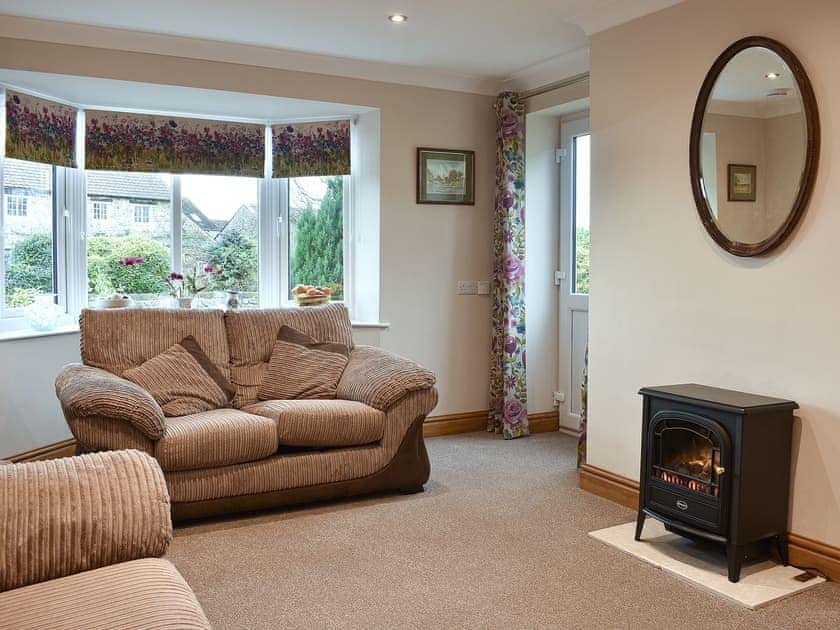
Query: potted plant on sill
[[184, 287]]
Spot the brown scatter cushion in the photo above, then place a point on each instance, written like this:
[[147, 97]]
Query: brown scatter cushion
[[302, 367], [182, 380]]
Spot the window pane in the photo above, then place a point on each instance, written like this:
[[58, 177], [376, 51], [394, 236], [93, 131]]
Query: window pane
[[114, 234], [28, 249], [316, 233], [581, 214], [220, 227]]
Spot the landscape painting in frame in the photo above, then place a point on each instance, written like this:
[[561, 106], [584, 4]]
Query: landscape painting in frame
[[446, 176], [742, 182]]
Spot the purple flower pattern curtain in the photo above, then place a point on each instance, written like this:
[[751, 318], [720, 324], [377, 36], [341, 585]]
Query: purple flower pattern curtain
[[40, 130], [119, 141], [584, 404], [309, 149], [508, 391]]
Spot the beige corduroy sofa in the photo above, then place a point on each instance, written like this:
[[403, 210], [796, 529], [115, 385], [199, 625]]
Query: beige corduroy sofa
[[256, 453], [80, 542]]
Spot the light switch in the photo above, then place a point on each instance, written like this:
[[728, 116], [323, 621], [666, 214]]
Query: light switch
[[467, 287], [484, 287]]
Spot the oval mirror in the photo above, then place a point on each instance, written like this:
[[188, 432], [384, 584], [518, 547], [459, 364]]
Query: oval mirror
[[754, 146]]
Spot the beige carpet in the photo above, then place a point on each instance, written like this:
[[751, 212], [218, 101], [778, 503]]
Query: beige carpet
[[498, 540]]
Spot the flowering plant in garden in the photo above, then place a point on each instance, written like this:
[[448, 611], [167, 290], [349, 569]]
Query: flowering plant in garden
[[188, 284], [129, 261]]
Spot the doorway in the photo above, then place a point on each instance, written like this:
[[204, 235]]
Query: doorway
[[573, 276]]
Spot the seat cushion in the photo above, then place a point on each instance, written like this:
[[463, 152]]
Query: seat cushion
[[302, 367], [147, 593], [322, 422], [215, 438]]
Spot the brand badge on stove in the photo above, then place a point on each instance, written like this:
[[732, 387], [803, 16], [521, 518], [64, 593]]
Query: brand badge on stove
[[682, 504]]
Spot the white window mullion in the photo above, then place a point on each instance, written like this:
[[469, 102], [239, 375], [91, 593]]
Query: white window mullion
[[347, 240], [271, 199], [176, 217], [2, 218], [71, 187]]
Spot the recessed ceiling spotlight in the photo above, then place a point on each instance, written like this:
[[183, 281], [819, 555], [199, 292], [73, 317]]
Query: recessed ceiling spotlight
[[772, 75], [398, 18]]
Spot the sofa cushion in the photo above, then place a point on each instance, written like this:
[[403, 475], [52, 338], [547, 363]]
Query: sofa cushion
[[215, 438], [252, 335], [302, 367], [118, 339], [182, 380], [147, 593], [327, 423]]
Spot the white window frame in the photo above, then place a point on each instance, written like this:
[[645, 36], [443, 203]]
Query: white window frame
[[285, 223], [70, 231], [13, 318], [100, 207], [145, 211], [17, 201]]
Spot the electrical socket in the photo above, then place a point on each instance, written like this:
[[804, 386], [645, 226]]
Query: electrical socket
[[467, 287]]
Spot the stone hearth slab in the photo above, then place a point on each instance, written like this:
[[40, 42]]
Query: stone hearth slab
[[762, 582]]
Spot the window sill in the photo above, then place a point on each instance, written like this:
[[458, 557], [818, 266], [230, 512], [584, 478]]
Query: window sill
[[29, 333], [378, 325]]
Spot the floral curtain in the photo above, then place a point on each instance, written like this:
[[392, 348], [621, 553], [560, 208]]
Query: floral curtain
[[584, 405], [118, 141], [508, 392], [306, 149], [40, 130]]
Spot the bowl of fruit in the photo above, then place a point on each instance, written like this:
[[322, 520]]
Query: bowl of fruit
[[310, 295]]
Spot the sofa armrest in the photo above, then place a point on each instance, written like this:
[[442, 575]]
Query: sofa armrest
[[380, 379], [64, 516], [87, 391]]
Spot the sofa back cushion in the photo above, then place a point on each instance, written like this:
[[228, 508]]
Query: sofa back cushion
[[118, 339], [182, 380], [252, 336]]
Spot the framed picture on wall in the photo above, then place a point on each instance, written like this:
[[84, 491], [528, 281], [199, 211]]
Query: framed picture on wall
[[742, 182], [446, 176]]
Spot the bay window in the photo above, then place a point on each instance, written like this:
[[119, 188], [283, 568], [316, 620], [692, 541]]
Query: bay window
[[276, 213]]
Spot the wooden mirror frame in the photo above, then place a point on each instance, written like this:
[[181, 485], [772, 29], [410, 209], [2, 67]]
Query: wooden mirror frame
[[812, 148]]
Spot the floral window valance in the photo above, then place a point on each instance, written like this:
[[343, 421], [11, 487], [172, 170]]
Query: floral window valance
[[119, 141], [315, 148], [40, 130]]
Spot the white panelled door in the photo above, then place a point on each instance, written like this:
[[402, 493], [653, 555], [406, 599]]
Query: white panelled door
[[574, 263]]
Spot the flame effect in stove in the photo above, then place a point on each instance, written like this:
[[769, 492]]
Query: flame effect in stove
[[691, 484]]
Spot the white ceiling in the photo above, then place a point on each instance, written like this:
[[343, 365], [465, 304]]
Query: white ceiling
[[483, 39]]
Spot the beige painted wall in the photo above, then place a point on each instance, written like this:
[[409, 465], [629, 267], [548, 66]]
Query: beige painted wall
[[669, 306], [424, 249]]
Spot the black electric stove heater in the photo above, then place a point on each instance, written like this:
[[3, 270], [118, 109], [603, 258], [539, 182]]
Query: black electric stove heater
[[716, 467]]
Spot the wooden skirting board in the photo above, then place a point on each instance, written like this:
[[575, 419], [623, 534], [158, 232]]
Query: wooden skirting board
[[65, 448], [450, 424], [804, 552]]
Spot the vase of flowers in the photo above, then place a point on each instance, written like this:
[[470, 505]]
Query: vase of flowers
[[184, 287]]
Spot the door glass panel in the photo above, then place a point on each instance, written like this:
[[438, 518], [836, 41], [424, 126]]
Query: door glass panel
[[581, 214]]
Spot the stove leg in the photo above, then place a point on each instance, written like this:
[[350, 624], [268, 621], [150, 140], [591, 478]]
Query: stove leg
[[734, 555], [782, 544], [640, 523]]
